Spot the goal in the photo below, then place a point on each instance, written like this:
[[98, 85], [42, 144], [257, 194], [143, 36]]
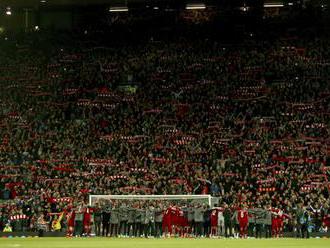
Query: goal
[[183, 199]]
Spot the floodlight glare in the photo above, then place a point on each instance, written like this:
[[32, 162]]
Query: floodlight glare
[[244, 8], [8, 11], [273, 5], [118, 9], [191, 6]]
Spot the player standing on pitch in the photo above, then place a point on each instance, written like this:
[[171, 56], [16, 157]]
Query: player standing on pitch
[[87, 220], [243, 221], [71, 215]]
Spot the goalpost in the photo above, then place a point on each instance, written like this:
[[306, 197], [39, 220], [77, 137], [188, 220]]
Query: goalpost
[[205, 199]]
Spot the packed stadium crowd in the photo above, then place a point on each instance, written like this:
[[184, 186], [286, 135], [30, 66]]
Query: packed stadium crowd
[[248, 124]]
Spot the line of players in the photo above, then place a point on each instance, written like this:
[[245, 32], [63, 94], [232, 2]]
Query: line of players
[[186, 221], [269, 220]]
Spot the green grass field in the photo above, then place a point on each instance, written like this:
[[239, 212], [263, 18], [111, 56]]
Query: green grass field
[[159, 243]]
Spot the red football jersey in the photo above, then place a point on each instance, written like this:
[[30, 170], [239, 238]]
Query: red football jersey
[[88, 214], [242, 215], [71, 215], [214, 217]]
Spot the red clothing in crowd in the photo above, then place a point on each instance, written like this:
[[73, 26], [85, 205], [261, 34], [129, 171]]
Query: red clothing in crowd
[[326, 220]]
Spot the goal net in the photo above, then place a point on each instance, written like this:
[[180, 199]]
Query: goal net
[[163, 199]]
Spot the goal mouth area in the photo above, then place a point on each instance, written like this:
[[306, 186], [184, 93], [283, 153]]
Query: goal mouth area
[[207, 199]]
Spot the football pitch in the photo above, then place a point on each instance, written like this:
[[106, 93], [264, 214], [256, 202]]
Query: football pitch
[[159, 243]]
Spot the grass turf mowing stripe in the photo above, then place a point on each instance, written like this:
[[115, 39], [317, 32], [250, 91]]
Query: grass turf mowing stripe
[[159, 243]]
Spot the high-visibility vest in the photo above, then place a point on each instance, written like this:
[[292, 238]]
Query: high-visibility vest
[[7, 229]]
